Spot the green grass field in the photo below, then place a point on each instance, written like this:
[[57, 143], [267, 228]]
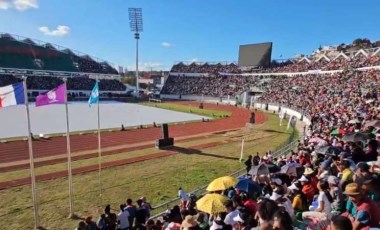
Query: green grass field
[[189, 109], [157, 179]]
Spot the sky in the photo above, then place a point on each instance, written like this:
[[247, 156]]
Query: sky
[[190, 30]]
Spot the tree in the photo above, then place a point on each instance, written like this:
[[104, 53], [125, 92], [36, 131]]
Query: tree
[[274, 63], [357, 42], [129, 80]]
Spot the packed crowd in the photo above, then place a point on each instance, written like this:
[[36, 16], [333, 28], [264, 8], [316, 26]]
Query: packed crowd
[[330, 181], [41, 56], [90, 66], [283, 67], [311, 188], [340, 96], [215, 86], [205, 68], [73, 83]]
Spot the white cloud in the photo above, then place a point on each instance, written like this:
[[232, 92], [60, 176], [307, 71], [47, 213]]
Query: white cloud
[[20, 5], [166, 44], [60, 31], [194, 60]]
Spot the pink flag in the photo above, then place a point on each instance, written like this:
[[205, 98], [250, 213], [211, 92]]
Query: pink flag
[[54, 96]]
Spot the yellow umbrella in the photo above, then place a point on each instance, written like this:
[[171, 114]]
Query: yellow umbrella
[[212, 203], [221, 183]]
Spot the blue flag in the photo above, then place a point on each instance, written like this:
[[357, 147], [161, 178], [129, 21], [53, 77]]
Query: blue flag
[[94, 97]]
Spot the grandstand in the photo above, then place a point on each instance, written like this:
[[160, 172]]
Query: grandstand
[[358, 55], [24, 53], [45, 64]]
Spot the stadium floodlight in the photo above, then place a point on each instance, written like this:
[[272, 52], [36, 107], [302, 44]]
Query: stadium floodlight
[[136, 25]]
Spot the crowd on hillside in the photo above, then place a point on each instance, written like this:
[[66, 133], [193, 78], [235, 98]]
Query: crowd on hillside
[[302, 65], [73, 83]]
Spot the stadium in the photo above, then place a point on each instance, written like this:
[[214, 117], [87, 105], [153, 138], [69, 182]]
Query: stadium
[[257, 143]]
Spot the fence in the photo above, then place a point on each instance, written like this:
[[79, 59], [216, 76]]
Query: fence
[[161, 208]]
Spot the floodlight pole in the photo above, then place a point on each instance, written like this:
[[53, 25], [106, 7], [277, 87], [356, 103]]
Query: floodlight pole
[[137, 37], [136, 25]]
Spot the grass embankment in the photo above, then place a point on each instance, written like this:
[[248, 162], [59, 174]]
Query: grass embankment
[[157, 179], [189, 109]]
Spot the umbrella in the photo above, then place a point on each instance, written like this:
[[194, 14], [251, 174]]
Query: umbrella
[[354, 121], [212, 203], [248, 185], [373, 123], [258, 170], [328, 150], [338, 132], [289, 169], [221, 183], [273, 168], [316, 140], [358, 136]]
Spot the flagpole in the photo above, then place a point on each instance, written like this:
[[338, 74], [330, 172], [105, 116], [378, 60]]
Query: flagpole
[[31, 161], [69, 167], [242, 150], [99, 148]]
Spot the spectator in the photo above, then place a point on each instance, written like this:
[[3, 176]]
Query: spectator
[[123, 218], [265, 213], [336, 193], [282, 221], [340, 223], [347, 174], [248, 163], [81, 226], [360, 210], [232, 212], [90, 225], [183, 196], [324, 203], [131, 209], [147, 206], [141, 213]]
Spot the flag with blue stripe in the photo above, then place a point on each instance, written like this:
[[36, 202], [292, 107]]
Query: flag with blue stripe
[[12, 95], [94, 97]]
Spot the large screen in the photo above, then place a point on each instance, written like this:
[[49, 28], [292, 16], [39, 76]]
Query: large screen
[[255, 54]]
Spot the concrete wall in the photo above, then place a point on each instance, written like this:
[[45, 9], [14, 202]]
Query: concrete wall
[[289, 112]]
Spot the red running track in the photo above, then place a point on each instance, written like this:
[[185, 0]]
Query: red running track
[[18, 150]]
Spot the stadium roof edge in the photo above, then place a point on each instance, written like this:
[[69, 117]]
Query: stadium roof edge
[[28, 72], [55, 46]]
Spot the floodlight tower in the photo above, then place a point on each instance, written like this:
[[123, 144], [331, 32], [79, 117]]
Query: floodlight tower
[[136, 25]]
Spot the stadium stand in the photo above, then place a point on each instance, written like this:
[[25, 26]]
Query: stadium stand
[[73, 83], [334, 181], [20, 54], [215, 86], [27, 54], [359, 54]]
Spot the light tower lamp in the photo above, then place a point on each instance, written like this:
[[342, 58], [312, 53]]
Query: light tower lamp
[[136, 25]]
